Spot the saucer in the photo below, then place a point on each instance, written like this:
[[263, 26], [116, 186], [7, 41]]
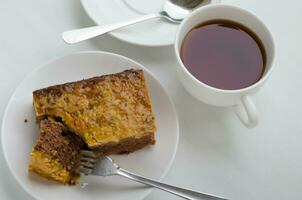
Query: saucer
[[155, 32]]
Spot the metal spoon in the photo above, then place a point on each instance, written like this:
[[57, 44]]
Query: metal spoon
[[173, 10]]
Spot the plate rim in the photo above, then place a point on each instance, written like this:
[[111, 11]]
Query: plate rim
[[4, 153], [117, 36]]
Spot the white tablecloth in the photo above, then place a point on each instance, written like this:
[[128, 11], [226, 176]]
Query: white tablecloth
[[216, 153]]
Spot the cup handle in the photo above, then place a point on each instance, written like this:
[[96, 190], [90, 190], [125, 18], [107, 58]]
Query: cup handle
[[246, 111]]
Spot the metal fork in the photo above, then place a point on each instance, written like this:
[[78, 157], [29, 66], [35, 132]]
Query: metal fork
[[92, 164]]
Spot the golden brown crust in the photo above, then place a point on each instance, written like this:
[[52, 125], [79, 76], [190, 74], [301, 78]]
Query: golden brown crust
[[102, 110], [51, 169]]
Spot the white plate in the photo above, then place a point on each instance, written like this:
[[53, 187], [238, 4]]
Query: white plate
[[19, 137], [157, 32]]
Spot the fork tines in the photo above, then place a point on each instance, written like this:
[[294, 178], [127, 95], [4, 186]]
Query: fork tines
[[87, 161]]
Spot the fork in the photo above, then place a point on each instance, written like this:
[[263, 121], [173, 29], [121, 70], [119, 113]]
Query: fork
[[92, 164]]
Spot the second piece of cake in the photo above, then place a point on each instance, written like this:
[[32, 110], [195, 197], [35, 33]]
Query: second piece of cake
[[56, 153], [111, 113]]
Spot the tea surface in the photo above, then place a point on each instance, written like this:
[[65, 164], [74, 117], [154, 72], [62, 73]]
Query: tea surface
[[224, 55]]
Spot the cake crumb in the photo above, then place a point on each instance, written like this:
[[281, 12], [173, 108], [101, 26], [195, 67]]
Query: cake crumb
[[83, 185], [25, 120]]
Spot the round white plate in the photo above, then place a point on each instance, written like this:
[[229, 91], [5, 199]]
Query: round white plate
[[157, 32], [19, 137]]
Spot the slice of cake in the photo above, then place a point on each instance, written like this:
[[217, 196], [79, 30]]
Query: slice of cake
[[111, 113], [56, 153]]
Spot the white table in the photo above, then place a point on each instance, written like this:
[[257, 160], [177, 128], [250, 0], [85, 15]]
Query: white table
[[216, 153]]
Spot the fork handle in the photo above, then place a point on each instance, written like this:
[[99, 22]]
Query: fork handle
[[184, 193]]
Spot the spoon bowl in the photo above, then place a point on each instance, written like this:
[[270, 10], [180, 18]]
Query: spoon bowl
[[177, 10]]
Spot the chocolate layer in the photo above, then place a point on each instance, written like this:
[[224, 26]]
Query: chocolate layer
[[127, 145], [59, 144]]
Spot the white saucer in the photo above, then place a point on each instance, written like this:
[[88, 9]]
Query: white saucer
[[157, 32], [19, 137]]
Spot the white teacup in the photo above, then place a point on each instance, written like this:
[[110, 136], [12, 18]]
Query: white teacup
[[239, 99]]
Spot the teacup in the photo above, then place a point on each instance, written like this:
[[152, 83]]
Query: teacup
[[239, 99]]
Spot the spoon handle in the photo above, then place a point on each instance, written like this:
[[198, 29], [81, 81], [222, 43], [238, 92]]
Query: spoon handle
[[78, 35], [184, 193]]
